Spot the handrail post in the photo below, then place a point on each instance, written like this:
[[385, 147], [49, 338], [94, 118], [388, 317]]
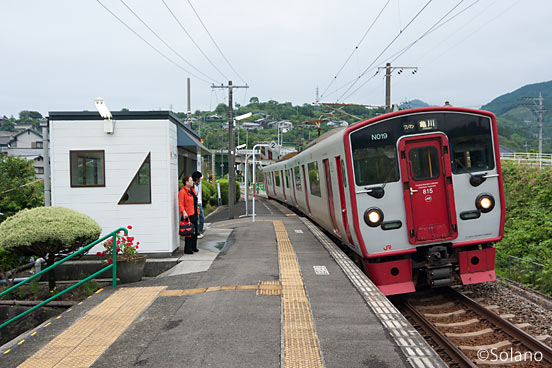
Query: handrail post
[[114, 252]]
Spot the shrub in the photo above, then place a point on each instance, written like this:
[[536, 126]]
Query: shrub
[[208, 191], [224, 191], [47, 231]]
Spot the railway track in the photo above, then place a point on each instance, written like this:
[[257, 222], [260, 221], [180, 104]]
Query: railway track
[[470, 334]]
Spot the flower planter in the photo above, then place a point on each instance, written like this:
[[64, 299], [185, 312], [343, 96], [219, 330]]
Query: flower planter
[[131, 270]]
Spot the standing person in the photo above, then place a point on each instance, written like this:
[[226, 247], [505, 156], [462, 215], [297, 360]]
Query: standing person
[[187, 203], [197, 177]]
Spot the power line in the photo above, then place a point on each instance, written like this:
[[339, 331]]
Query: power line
[[430, 30], [486, 23], [356, 48], [192, 39], [165, 43], [216, 45], [385, 49], [148, 43]]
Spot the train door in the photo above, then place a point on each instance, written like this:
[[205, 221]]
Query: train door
[[283, 184], [329, 193], [342, 184], [292, 183], [427, 188], [306, 190]]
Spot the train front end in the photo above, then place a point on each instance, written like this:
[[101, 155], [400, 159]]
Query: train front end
[[428, 197]]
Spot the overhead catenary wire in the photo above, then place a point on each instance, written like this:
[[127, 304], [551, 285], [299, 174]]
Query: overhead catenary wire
[[216, 45], [164, 42], [386, 48], [355, 49], [405, 49], [193, 41], [149, 44], [486, 23], [433, 28]]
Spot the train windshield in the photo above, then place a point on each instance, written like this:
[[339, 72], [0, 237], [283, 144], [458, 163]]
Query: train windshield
[[374, 157], [471, 143], [374, 146]]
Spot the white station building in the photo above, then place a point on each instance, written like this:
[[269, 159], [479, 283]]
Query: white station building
[[128, 177]]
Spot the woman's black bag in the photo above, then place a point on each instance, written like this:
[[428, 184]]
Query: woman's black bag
[[187, 229]]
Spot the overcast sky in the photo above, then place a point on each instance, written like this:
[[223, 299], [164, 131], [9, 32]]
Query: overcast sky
[[61, 54]]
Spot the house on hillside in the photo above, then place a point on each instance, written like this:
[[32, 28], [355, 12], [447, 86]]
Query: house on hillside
[[25, 144], [128, 177]]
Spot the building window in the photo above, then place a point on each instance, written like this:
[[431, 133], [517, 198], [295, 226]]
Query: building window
[[314, 179], [39, 170], [39, 144], [87, 168], [139, 189]]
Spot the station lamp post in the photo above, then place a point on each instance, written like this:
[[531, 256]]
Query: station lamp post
[[238, 118]]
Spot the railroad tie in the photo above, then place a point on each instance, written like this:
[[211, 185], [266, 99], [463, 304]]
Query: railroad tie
[[469, 334]]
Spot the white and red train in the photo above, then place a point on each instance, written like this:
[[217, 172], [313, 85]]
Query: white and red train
[[416, 194]]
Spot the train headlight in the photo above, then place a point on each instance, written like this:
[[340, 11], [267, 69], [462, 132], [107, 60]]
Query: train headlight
[[485, 203], [373, 217]]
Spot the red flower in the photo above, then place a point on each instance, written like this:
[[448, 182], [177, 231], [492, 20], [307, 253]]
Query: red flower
[[129, 227], [118, 249], [136, 247], [137, 243], [109, 260], [131, 238], [118, 242], [181, 223], [99, 254]]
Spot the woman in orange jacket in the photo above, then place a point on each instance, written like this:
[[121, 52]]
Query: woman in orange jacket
[[187, 203]]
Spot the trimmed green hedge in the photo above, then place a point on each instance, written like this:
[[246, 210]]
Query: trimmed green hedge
[[224, 191], [40, 230]]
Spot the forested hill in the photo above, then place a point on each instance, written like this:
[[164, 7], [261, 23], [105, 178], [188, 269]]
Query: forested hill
[[517, 123], [510, 101]]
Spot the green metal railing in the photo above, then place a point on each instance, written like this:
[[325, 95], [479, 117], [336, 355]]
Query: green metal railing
[[112, 266]]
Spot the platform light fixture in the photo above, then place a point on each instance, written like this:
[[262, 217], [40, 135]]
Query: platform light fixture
[[109, 124]]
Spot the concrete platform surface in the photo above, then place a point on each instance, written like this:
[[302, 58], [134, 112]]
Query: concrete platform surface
[[267, 294]]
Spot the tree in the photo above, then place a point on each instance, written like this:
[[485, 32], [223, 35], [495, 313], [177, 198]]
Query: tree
[[27, 115], [254, 100], [47, 231], [16, 192], [221, 109]]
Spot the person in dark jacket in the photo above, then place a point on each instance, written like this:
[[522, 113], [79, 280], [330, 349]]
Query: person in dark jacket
[[197, 177], [187, 203]]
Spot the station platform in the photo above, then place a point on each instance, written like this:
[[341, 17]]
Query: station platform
[[277, 292]]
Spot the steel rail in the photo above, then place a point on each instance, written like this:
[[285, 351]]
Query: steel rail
[[523, 337], [450, 349]]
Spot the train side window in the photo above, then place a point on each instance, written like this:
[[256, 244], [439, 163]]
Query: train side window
[[424, 163], [314, 179], [287, 178], [343, 174], [297, 176], [471, 144], [277, 178]]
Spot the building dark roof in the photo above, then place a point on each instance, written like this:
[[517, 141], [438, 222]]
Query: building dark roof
[[6, 137], [122, 115]]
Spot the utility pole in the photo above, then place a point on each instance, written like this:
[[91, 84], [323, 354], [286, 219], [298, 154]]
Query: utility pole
[[231, 149], [539, 110], [388, 71], [189, 119]]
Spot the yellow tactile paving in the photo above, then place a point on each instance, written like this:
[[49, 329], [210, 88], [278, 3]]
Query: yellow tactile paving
[[263, 288], [300, 341], [82, 343]]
